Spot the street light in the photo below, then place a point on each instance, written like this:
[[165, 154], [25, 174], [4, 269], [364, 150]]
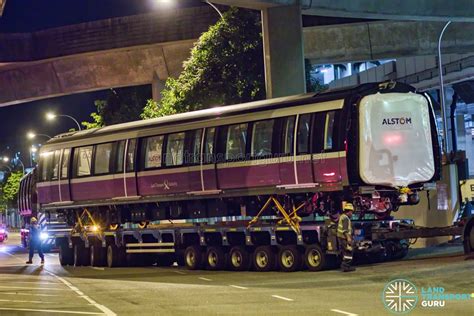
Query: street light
[[51, 116], [205, 1], [32, 135], [7, 159]]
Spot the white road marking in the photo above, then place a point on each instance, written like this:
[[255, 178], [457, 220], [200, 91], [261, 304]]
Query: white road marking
[[21, 301], [205, 279], [343, 312], [283, 298], [32, 288], [239, 287], [98, 268], [48, 311], [27, 294], [179, 272], [39, 282]]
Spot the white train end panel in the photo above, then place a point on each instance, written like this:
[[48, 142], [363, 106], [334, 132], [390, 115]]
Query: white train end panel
[[395, 140]]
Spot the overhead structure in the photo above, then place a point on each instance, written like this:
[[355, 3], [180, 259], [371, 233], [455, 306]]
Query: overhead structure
[[423, 10]]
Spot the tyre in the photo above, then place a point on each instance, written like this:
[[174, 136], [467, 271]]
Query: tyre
[[79, 254], [239, 259], [193, 257], [97, 256], [66, 255], [314, 258], [264, 259], [113, 256], [165, 260], [215, 258], [289, 259]]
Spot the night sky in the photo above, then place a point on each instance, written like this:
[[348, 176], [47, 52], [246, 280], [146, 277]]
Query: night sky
[[32, 15]]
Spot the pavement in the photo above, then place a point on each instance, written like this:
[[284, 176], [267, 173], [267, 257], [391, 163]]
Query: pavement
[[55, 290]]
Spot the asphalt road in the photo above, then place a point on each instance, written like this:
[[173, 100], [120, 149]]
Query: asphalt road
[[54, 290]]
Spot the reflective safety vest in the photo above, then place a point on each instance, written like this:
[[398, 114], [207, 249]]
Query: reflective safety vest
[[344, 226]]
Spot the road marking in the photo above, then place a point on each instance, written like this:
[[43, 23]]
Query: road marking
[[283, 298], [27, 294], [32, 288], [103, 308], [343, 312], [97, 268], [205, 279], [21, 301], [239, 287], [39, 282], [48, 311], [179, 272]]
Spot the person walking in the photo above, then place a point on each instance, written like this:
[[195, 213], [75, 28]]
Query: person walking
[[35, 240], [345, 237]]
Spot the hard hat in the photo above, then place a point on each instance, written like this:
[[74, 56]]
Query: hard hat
[[33, 220], [346, 207]]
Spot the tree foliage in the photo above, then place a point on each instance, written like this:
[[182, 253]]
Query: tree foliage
[[122, 105], [11, 188], [312, 84], [225, 67]]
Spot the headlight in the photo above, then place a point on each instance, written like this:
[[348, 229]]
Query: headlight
[[44, 236], [2, 231]]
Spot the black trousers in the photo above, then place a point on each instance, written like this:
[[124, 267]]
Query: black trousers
[[37, 246], [346, 252]]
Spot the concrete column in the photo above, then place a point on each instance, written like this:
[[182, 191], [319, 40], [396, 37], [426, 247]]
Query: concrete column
[[283, 51], [157, 85]]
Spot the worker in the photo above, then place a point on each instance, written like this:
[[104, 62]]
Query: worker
[[35, 240], [344, 237]]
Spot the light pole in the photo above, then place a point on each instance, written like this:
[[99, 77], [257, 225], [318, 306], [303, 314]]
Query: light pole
[[51, 116], [6, 159], [205, 1], [31, 135], [441, 91]]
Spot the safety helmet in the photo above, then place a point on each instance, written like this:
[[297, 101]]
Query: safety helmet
[[347, 207], [33, 220]]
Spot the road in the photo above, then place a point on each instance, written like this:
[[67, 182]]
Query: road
[[55, 290]]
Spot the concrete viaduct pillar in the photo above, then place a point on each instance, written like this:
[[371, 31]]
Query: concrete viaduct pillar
[[283, 51]]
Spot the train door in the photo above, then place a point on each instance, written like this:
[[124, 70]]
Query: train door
[[326, 148], [64, 192], [126, 165], [208, 172]]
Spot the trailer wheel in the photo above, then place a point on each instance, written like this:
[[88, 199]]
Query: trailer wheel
[[264, 259], [113, 256], [97, 256], [66, 255], [239, 259], [81, 255], [215, 258], [193, 257], [314, 258], [289, 259]]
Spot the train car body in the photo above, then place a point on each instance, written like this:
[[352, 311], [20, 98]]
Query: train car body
[[375, 146]]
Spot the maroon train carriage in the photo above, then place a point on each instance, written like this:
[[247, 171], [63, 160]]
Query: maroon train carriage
[[375, 145]]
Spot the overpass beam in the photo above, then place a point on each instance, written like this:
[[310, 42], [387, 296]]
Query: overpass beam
[[283, 51]]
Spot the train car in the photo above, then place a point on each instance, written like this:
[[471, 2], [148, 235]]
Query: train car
[[375, 146]]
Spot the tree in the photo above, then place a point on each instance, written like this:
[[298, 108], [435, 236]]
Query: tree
[[11, 188], [122, 105], [312, 84], [225, 67]]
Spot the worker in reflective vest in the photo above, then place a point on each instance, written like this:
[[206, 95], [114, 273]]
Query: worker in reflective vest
[[344, 237]]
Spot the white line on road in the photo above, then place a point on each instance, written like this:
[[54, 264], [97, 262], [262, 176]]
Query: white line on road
[[283, 298], [97, 268], [239, 287], [21, 301], [343, 312], [27, 294], [205, 279], [48, 311], [179, 272], [32, 288]]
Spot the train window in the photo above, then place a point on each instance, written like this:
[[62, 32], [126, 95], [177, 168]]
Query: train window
[[103, 154], [262, 136], [132, 144], [304, 125], [55, 165], [65, 163], [236, 141], [153, 151], [209, 145], [196, 149], [120, 154], [329, 131], [288, 134], [84, 160], [46, 161], [175, 149]]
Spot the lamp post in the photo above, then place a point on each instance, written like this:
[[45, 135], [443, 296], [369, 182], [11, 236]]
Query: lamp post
[[51, 116], [6, 159], [441, 91], [205, 1], [31, 135]]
